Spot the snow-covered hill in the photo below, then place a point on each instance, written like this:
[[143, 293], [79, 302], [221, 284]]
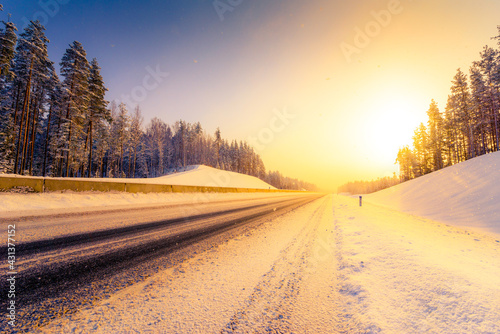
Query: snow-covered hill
[[200, 175], [466, 195]]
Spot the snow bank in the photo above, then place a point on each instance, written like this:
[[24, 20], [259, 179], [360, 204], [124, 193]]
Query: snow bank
[[465, 195], [200, 175], [191, 176], [195, 175]]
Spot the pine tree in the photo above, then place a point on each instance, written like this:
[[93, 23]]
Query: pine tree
[[97, 110], [217, 147], [461, 102], [435, 126], [135, 138], [119, 137], [489, 68], [480, 105], [421, 149], [102, 144], [405, 159], [157, 137], [31, 72], [8, 40], [53, 120], [76, 72], [181, 134]]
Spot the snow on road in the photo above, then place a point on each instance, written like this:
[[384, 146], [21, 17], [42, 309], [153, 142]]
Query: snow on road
[[328, 267], [33, 204]]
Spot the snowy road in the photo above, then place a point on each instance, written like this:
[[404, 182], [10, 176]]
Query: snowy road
[[68, 260], [329, 266]]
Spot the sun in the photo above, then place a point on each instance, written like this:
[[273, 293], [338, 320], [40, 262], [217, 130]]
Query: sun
[[389, 124]]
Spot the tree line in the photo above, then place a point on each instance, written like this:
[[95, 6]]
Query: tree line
[[368, 187], [61, 125], [468, 127]]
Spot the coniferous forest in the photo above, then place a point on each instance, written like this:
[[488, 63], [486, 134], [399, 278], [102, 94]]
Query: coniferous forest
[[62, 126], [468, 127]]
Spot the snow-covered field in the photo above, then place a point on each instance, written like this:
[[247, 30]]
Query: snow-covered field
[[466, 195], [329, 267]]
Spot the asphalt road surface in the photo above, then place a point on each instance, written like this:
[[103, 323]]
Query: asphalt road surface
[[70, 260]]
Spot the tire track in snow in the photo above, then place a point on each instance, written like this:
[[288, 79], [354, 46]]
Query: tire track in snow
[[352, 297], [267, 310]]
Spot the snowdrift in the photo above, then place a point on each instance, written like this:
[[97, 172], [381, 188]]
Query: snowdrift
[[465, 195], [200, 175], [190, 176]]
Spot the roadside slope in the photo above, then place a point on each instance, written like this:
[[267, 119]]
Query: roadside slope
[[465, 195], [201, 175]]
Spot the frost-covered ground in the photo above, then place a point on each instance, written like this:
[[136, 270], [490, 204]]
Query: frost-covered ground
[[328, 267], [466, 194]]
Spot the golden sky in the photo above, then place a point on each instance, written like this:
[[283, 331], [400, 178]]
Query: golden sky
[[354, 78], [353, 110]]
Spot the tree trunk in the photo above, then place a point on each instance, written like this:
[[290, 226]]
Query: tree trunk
[[133, 165], [16, 106], [69, 148], [46, 142], [33, 137], [23, 114], [70, 126], [26, 139], [90, 148]]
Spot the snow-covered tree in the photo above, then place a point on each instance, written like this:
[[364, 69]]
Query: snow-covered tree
[[8, 40], [53, 123], [135, 138], [435, 126], [480, 105], [490, 68], [460, 96], [76, 72], [97, 108], [119, 137], [31, 70]]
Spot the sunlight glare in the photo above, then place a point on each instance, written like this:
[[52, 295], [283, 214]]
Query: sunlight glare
[[389, 126]]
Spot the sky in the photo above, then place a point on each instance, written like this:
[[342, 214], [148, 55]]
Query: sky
[[324, 90]]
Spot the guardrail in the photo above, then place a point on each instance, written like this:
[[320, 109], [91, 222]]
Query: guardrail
[[47, 184]]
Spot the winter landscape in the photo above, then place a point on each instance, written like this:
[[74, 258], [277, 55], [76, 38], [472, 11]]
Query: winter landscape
[[249, 167]]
